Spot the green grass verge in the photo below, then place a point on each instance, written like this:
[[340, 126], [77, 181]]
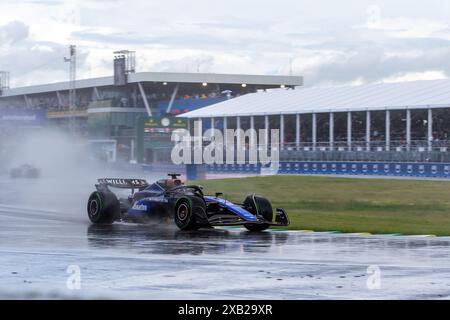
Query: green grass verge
[[349, 205]]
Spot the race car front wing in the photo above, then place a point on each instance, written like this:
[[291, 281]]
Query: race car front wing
[[281, 220]]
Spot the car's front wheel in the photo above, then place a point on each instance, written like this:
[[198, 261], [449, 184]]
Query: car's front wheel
[[103, 208], [258, 206]]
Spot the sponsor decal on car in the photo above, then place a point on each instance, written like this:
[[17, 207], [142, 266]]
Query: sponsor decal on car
[[140, 207], [124, 182], [157, 199]]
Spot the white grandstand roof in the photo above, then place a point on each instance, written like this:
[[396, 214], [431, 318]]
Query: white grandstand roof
[[392, 96], [173, 77]]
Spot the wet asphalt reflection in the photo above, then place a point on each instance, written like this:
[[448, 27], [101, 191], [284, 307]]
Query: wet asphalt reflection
[[42, 235]]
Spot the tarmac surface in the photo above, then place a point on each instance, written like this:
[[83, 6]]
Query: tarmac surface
[[48, 248]]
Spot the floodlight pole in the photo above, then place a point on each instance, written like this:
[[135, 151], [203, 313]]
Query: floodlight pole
[[4, 81], [72, 84]]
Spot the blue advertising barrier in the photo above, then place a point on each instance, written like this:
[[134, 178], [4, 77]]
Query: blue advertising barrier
[[14, 117], [234, 168], [404, 169]]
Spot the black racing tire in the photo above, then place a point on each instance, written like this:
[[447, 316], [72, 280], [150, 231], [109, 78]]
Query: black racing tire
[[184, 216], [103, 208], [261, 206]]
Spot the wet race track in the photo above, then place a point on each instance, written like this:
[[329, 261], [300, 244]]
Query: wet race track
[[44, 233]]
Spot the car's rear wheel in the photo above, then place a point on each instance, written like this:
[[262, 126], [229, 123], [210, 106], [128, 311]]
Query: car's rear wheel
[[258, 206], [103, 208], [184, 216]]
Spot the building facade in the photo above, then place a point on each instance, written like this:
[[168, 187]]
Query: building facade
[[107, 112], [381, 122]]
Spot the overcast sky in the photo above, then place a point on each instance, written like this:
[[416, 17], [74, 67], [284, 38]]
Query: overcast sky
[[328, 42]]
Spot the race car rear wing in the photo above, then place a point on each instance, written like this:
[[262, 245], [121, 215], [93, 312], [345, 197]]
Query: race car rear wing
[[124, 183]]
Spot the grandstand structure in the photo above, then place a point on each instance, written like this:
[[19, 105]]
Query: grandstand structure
[[109, 109], [407, 121]]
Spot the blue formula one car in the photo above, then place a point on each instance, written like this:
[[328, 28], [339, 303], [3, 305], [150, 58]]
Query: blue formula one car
[[187, 204]]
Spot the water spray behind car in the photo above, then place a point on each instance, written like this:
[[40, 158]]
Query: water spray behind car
[[50, 161]]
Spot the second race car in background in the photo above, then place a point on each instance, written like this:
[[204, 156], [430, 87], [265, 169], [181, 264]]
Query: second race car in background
[[25, 171]]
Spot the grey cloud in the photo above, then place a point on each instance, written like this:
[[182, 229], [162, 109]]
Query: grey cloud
[[23, 56], [13, 32], [371, 64], [355, 41], [421, 43], [185, 64], [193, 40], [232, 24], [44, 2], [263, 35]]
